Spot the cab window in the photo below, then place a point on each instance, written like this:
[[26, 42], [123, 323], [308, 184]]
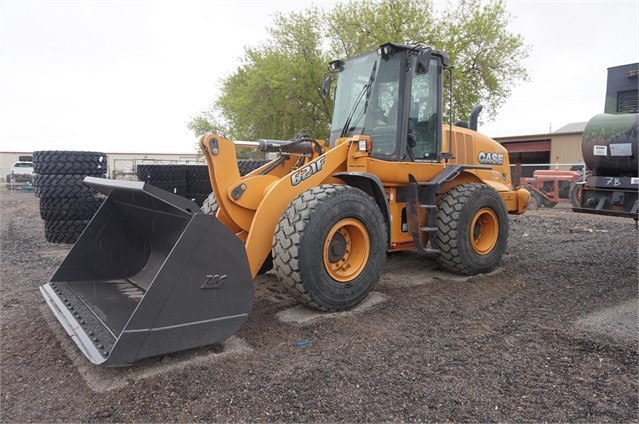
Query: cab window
[[423, 122]]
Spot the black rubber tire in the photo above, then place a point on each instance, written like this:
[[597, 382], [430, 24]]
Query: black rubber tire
[[172, 186], [199, 186], [302, 234], [59, 186], [575, 195], [197, 172], [198, 198], [477, 211], [50, 162], [247, 166], [69, 208], [155, 172], [535, 201], [64, 231]]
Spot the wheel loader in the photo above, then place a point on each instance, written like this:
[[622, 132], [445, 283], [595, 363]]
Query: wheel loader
[[153, 273]]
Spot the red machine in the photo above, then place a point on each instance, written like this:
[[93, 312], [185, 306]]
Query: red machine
[[548, 187]]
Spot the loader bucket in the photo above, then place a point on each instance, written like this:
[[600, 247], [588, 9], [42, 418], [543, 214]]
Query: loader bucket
[[149, 275]]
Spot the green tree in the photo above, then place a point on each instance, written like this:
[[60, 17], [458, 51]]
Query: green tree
[[486, 57], [209, 121], [276, 91], [356, 27]]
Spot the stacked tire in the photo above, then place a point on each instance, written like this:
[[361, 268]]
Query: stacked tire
[[190, 181], [171, 178], [249, 165], [198, 183], [67, 204]]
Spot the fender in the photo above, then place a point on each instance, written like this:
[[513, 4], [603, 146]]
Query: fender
[[372, 185]]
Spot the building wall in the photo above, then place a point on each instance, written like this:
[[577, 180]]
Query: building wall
[[566, 148], [7, 159], [553, 148]]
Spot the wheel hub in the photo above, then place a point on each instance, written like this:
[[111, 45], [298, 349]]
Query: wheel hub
[[337, 247], [346, 250], [484, 231]]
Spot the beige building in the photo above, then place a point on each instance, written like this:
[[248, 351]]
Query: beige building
[[559, 149]]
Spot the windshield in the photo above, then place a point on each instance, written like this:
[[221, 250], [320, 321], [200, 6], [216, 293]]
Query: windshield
[[366, 97]]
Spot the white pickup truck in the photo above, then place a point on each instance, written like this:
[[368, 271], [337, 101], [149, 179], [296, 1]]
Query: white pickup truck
[[21, 171]]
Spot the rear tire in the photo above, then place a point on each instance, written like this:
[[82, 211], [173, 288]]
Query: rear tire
[[330, 247], [472, 233]]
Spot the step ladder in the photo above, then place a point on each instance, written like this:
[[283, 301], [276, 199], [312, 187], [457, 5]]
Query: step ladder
[[424, 202]]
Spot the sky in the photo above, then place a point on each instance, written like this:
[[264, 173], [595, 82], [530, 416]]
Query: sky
[[128, 75]]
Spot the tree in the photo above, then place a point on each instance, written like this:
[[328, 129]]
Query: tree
[[359, 26], [276, 91], [487, 59]]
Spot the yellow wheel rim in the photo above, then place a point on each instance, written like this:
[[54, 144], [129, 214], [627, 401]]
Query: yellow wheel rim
[[484, 231], [346, 250]]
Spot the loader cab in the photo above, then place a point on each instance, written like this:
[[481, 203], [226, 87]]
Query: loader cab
[[394, 96]]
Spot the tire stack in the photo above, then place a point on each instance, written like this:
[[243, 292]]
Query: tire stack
[[190, 181], [171, 178], [198, 183], [67, 204], [249, 165]]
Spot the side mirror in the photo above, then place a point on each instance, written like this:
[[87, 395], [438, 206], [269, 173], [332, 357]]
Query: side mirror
[[423, 61], [326, 86]]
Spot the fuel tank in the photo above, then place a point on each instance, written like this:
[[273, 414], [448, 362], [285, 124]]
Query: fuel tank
[[609, 145]]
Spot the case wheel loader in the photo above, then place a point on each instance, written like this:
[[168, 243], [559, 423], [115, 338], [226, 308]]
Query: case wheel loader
[[154, 274]]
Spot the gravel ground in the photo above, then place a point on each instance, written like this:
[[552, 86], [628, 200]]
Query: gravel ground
[[551, 336]]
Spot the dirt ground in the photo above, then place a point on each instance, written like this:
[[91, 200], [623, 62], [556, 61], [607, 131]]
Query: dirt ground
[[551, 336]]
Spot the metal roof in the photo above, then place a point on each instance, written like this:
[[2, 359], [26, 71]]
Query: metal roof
[[575, 127]]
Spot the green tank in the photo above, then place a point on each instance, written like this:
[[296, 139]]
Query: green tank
[[610, 150], [609, 145]]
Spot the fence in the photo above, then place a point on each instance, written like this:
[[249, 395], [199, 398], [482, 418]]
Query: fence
[[125, 168]]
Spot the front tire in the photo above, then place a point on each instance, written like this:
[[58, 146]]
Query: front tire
[[472, 232], [330, 247]]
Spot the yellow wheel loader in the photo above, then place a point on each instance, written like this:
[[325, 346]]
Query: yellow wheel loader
[[153, 274]]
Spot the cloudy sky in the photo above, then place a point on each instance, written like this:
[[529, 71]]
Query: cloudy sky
[[127, 76]]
